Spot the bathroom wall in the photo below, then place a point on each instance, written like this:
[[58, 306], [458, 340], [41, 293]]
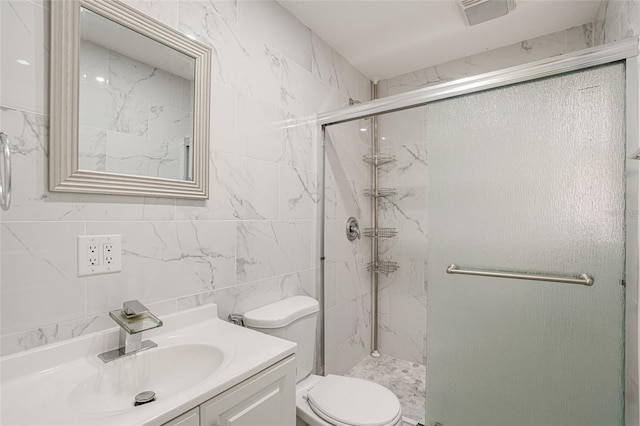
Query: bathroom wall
[[347, 282], [402, 298], [148, 139], [253, 242], [402, 294]]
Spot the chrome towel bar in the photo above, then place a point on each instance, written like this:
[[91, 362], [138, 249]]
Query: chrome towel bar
[[583, 279], [5, 172]]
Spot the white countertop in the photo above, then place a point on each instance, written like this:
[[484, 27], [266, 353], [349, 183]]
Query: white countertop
[[41, 386]]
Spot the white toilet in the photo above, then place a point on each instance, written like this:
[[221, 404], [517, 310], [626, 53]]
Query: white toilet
[[323, 401]]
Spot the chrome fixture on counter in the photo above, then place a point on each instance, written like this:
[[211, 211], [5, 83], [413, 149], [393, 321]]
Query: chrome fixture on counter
[[236, 319], [144, 398], [133, 319]]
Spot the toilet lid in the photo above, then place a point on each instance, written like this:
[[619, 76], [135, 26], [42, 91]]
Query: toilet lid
[[356, 402]]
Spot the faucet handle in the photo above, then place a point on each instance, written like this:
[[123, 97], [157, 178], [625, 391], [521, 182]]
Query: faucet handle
[[131, 308]]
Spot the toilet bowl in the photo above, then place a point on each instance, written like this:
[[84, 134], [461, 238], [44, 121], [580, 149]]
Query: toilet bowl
[[323, 401]]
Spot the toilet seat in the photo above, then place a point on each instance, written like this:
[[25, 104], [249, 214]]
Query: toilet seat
[[346, 401]]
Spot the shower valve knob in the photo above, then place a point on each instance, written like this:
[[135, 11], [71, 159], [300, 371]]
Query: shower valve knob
[[353, 229]]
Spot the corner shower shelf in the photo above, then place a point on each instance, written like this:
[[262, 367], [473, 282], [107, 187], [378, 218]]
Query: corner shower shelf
[[381, 192], [382, 267], [380, 232], [379, 159]]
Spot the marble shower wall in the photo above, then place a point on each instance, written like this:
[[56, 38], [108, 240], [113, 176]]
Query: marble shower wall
[[616, 20], [402, 298], [402, 294], [252, 243], [347, 282], [134, 117]]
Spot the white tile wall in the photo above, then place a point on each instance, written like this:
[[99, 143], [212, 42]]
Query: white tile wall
[[402, 297], [333, 69], [269, 248], [253, 242], [347, 282], [39, 279], [279, 29], [25, 35]]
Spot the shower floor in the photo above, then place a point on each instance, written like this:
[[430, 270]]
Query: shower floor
[[405, 379]]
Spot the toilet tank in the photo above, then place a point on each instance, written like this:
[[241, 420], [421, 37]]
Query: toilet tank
[[293, 319]]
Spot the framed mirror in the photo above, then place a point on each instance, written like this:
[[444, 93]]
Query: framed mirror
[[129, 104]]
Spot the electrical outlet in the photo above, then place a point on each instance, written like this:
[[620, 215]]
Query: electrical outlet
[[92, 254], [107, 253], [99, 254]]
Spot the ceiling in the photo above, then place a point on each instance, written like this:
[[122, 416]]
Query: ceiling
[[386, 38]]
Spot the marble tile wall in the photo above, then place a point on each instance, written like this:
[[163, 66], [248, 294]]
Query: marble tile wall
[[134, 118], [252, 243], [402, 294], [402, 298], [347, 282], [616, 20]]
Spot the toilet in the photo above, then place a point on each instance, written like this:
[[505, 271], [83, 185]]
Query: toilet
[[323, 401]]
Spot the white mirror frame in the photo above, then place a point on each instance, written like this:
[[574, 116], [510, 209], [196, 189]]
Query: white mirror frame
[[64, 175]]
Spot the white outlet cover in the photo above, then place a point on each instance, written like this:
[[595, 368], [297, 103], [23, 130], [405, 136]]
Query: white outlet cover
[[85, 269]]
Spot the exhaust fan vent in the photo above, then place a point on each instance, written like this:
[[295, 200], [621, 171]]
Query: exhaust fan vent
[[478, 11]]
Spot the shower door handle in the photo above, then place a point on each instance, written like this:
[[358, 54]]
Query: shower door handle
[[5, 172], [584, 279]]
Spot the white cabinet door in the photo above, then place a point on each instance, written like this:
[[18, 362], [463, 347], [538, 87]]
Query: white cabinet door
[[266, 399], [190, 418]]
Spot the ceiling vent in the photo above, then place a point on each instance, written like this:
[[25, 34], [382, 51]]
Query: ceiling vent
[[478, 11]]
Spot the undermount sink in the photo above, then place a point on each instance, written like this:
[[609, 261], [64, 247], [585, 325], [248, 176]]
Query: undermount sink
[[165, 371]]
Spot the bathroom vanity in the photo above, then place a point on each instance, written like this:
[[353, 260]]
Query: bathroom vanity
[[204, 371], [260, 400]]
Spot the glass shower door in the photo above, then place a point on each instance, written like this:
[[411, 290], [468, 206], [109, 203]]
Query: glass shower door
[[529, 179]]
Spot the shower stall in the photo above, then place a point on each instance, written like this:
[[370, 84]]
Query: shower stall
[[497, 254]]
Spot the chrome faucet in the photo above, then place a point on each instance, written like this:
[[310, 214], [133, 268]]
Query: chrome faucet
[[131, 342], [132, 308], [133, 319]]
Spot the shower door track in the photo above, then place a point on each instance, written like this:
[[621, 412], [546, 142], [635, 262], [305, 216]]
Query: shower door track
[[574, 61]]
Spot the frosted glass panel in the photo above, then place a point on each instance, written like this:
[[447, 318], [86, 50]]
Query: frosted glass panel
[[527, 178]]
